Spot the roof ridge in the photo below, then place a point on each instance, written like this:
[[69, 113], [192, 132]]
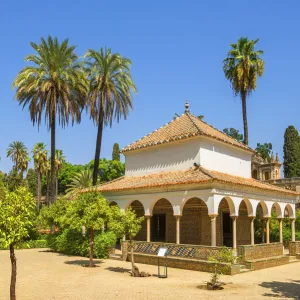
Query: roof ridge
[[206, 172], [174, 119], [222, 132], [189, 115]]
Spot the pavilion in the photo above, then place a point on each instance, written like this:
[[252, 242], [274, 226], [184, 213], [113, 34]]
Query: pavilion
[[193, 184]]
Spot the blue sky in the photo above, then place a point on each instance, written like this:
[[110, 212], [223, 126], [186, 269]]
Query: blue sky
[[176, 47]]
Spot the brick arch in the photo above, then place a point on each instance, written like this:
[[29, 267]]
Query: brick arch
[[289, 210], [264, 207], [160, 200], [230, 204], [193, 199], [249, 206], [277, 209], [133, 203]]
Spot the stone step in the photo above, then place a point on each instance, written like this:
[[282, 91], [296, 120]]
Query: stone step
[[244, 270], [293, 259], [115, 256]]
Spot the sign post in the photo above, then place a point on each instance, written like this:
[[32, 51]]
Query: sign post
[[162, 252]]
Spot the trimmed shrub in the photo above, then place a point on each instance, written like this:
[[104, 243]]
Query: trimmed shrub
[[29, 245], [71, 241]]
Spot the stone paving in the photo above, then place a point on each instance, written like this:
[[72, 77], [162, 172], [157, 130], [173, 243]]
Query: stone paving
[[46, 275]]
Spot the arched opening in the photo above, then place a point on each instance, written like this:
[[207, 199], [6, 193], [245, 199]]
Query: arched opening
[[195, 223], [224, 222], [259, 223], [288, 211], [274, 224], [163, 222], [243, 223], [138, 208]]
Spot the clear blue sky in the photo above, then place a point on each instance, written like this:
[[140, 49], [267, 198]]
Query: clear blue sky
[[176, 47]]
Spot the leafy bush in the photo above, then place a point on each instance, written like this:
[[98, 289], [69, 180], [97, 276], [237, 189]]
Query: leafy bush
[[71, 241], [35, 244], [103, 243]]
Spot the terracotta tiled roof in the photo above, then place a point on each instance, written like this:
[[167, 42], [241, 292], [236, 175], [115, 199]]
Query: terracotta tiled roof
[[192, 176], [183, 127]]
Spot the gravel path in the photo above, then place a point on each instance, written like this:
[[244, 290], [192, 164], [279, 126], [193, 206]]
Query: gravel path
[[46, 275]]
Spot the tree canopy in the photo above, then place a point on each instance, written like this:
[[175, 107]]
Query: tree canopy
[[264, 150], [111, 89], [234, 133], [116, 152], [241, 67]]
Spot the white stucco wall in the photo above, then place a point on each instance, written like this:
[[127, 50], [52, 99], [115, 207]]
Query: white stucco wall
[[224, 158], [209, 153], [169, 157]]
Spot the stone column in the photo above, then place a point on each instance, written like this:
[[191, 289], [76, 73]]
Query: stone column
[[252, 230], [293, 229], [263, 231], [268, 230], [234, 231], [280, 230], [213, 229], [177, 229], [148, 219]]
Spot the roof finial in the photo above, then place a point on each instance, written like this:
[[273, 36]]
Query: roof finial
[[187, 106]]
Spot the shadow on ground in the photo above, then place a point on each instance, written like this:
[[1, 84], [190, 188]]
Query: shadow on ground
[[82, 262], [118, 269], [283, 289]]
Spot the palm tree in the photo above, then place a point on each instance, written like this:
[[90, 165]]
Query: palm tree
[[18, 153], [79, 181], [241, 67], [59, 161], [111, 88], [40, 158], [54, 85]]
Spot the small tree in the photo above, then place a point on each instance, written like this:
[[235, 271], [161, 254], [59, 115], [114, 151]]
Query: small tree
[[222, 261], [91, 211], [130, 227], [17, 213], [116, 152]]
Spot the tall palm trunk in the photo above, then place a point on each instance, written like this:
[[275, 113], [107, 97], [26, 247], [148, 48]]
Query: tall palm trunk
[[244, 106], [39, 187], [13, 278], [98, 145], [52, 167]]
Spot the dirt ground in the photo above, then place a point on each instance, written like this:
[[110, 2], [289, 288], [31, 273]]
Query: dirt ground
[[46, 275]]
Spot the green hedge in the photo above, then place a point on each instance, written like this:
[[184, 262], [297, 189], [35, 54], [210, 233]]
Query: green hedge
[[71, 242], [29, 245]]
